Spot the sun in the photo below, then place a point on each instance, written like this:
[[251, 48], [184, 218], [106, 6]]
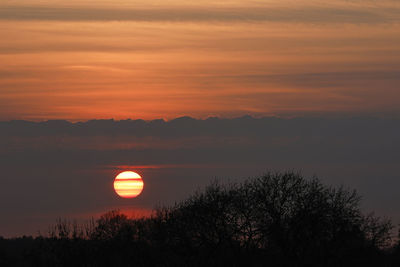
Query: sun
[[128, 184]]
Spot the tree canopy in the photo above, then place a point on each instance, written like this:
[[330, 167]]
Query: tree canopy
[[277, 219]]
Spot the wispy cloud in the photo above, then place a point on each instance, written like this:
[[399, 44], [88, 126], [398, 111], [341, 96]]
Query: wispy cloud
[[97, 60], [298, 14]]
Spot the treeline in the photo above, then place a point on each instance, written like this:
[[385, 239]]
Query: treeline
[[279, 219]]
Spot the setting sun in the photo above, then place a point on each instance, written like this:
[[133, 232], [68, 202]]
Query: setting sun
[[128, 184]]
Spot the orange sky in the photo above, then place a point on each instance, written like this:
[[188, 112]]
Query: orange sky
[[86, 59]]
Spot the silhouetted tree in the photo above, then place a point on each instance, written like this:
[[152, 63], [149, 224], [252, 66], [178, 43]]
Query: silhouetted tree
[[285, 217], [278, 219]]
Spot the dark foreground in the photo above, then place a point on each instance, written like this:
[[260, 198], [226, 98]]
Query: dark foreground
[[273, 220]]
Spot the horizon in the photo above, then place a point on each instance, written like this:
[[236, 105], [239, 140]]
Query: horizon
[[333, 116]]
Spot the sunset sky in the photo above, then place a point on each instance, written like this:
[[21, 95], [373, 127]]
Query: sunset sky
[[187, 91], [81, 60]]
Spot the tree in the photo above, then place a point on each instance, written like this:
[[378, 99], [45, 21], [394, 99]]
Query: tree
[[283, 216], [278, 219]]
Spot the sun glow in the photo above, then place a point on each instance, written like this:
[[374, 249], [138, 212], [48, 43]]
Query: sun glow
[[128, 184]]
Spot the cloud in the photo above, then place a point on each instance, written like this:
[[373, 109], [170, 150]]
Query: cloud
[[58, 168], [310, 14]]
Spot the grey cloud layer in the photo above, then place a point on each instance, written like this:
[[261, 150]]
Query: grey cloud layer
[[303, 15], [45, 170]]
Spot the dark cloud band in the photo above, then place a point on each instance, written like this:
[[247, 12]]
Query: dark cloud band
[[249, 14]]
